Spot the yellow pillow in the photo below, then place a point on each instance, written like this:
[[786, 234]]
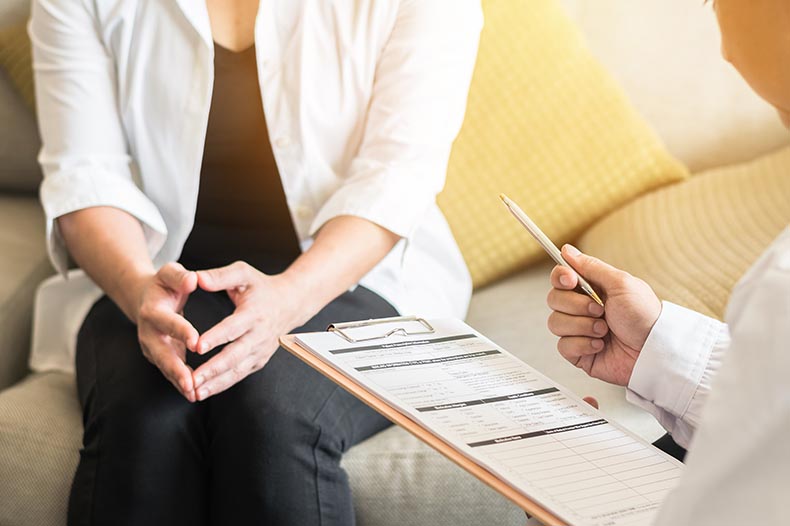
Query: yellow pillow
[[16, 59], [692, 241], [549, 127]]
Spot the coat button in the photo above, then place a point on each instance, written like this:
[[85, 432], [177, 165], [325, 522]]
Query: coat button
[[283, 142], [303, 212]]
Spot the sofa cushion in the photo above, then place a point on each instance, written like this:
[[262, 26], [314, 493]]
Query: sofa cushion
[[40, 434], [16, 60], [23, 265], [693, 241], [19, 141], [13, 11], [396, 479], [549, 127]]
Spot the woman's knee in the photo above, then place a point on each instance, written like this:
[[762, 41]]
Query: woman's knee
[[279, 429], [145, 422]]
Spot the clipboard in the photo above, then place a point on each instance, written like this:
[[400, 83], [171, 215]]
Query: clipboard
[[290, 344]]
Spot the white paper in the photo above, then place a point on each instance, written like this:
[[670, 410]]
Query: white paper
[[544, 441]]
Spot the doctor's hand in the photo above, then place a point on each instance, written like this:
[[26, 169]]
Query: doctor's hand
[[603, 341], [163, 332], [267, 307]]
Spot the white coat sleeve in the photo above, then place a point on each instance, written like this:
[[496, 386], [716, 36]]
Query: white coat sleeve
[[738, 468], [416, 109], [85, 157], [673, 375]]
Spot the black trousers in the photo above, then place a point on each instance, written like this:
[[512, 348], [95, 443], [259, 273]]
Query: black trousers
[[670, 447], [264, 452]]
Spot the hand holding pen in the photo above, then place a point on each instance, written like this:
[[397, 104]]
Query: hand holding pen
[[604, 341]]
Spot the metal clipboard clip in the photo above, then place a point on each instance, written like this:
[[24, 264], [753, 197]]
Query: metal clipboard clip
[[339, 328]]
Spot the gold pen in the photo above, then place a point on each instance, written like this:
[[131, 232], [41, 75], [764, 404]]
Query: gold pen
[[547, 245]]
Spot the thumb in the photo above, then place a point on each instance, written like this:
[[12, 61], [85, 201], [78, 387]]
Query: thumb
[[175, 276], [229, 277], [591, 268]]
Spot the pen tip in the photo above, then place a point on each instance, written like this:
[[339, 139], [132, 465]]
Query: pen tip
[[596, 298], [503, 197]]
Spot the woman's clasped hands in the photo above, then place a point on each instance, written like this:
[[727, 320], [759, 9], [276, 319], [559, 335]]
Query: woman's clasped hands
[[266, 308]]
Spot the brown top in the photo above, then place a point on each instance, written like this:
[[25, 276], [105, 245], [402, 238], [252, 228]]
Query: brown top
[[242, 212]]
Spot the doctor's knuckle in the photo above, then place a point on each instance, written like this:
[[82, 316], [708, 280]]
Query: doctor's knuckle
[[550, 298], [553, 323], [622, 279]]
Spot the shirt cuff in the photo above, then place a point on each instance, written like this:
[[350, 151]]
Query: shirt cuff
[[386, 199], [673, 360], [68, 192]]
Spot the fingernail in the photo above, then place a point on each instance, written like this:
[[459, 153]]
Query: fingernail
[[595, 309], [199, 380], [572, 251], [599, 327], [202, 394], [203, 348], [597, 344], [565, 280]]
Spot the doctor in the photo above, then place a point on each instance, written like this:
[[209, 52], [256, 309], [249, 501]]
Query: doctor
[[223, 174], [736, 424]]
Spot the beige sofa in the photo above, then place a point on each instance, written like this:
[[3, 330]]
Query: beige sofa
[[664, 53]]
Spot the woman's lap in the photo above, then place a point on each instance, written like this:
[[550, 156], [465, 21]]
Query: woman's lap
[[266, 450]]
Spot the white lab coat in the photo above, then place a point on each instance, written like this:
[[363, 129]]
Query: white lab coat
[[724, 392], [363, 99]]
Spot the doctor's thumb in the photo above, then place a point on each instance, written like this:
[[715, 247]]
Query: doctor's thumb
[[591, 268]]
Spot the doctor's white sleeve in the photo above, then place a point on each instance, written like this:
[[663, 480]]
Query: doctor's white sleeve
[[84, 157], [416, 109], [673, 374]]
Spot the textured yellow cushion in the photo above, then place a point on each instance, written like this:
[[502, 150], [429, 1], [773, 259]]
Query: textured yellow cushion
[[15, 58], [549, 127], [692, 241]]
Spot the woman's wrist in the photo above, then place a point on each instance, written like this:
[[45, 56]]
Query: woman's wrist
[[132, 286], [302, 300], [345, 249]]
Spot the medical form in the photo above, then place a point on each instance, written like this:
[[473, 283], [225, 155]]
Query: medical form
[[532, 434]]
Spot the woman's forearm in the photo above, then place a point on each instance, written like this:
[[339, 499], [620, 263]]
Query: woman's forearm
[[345, 249], [109, 245]]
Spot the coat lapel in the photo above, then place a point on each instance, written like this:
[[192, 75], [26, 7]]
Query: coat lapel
[[196, 13]]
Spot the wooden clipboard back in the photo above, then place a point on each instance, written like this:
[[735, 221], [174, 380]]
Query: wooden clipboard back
[[533, 508]]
